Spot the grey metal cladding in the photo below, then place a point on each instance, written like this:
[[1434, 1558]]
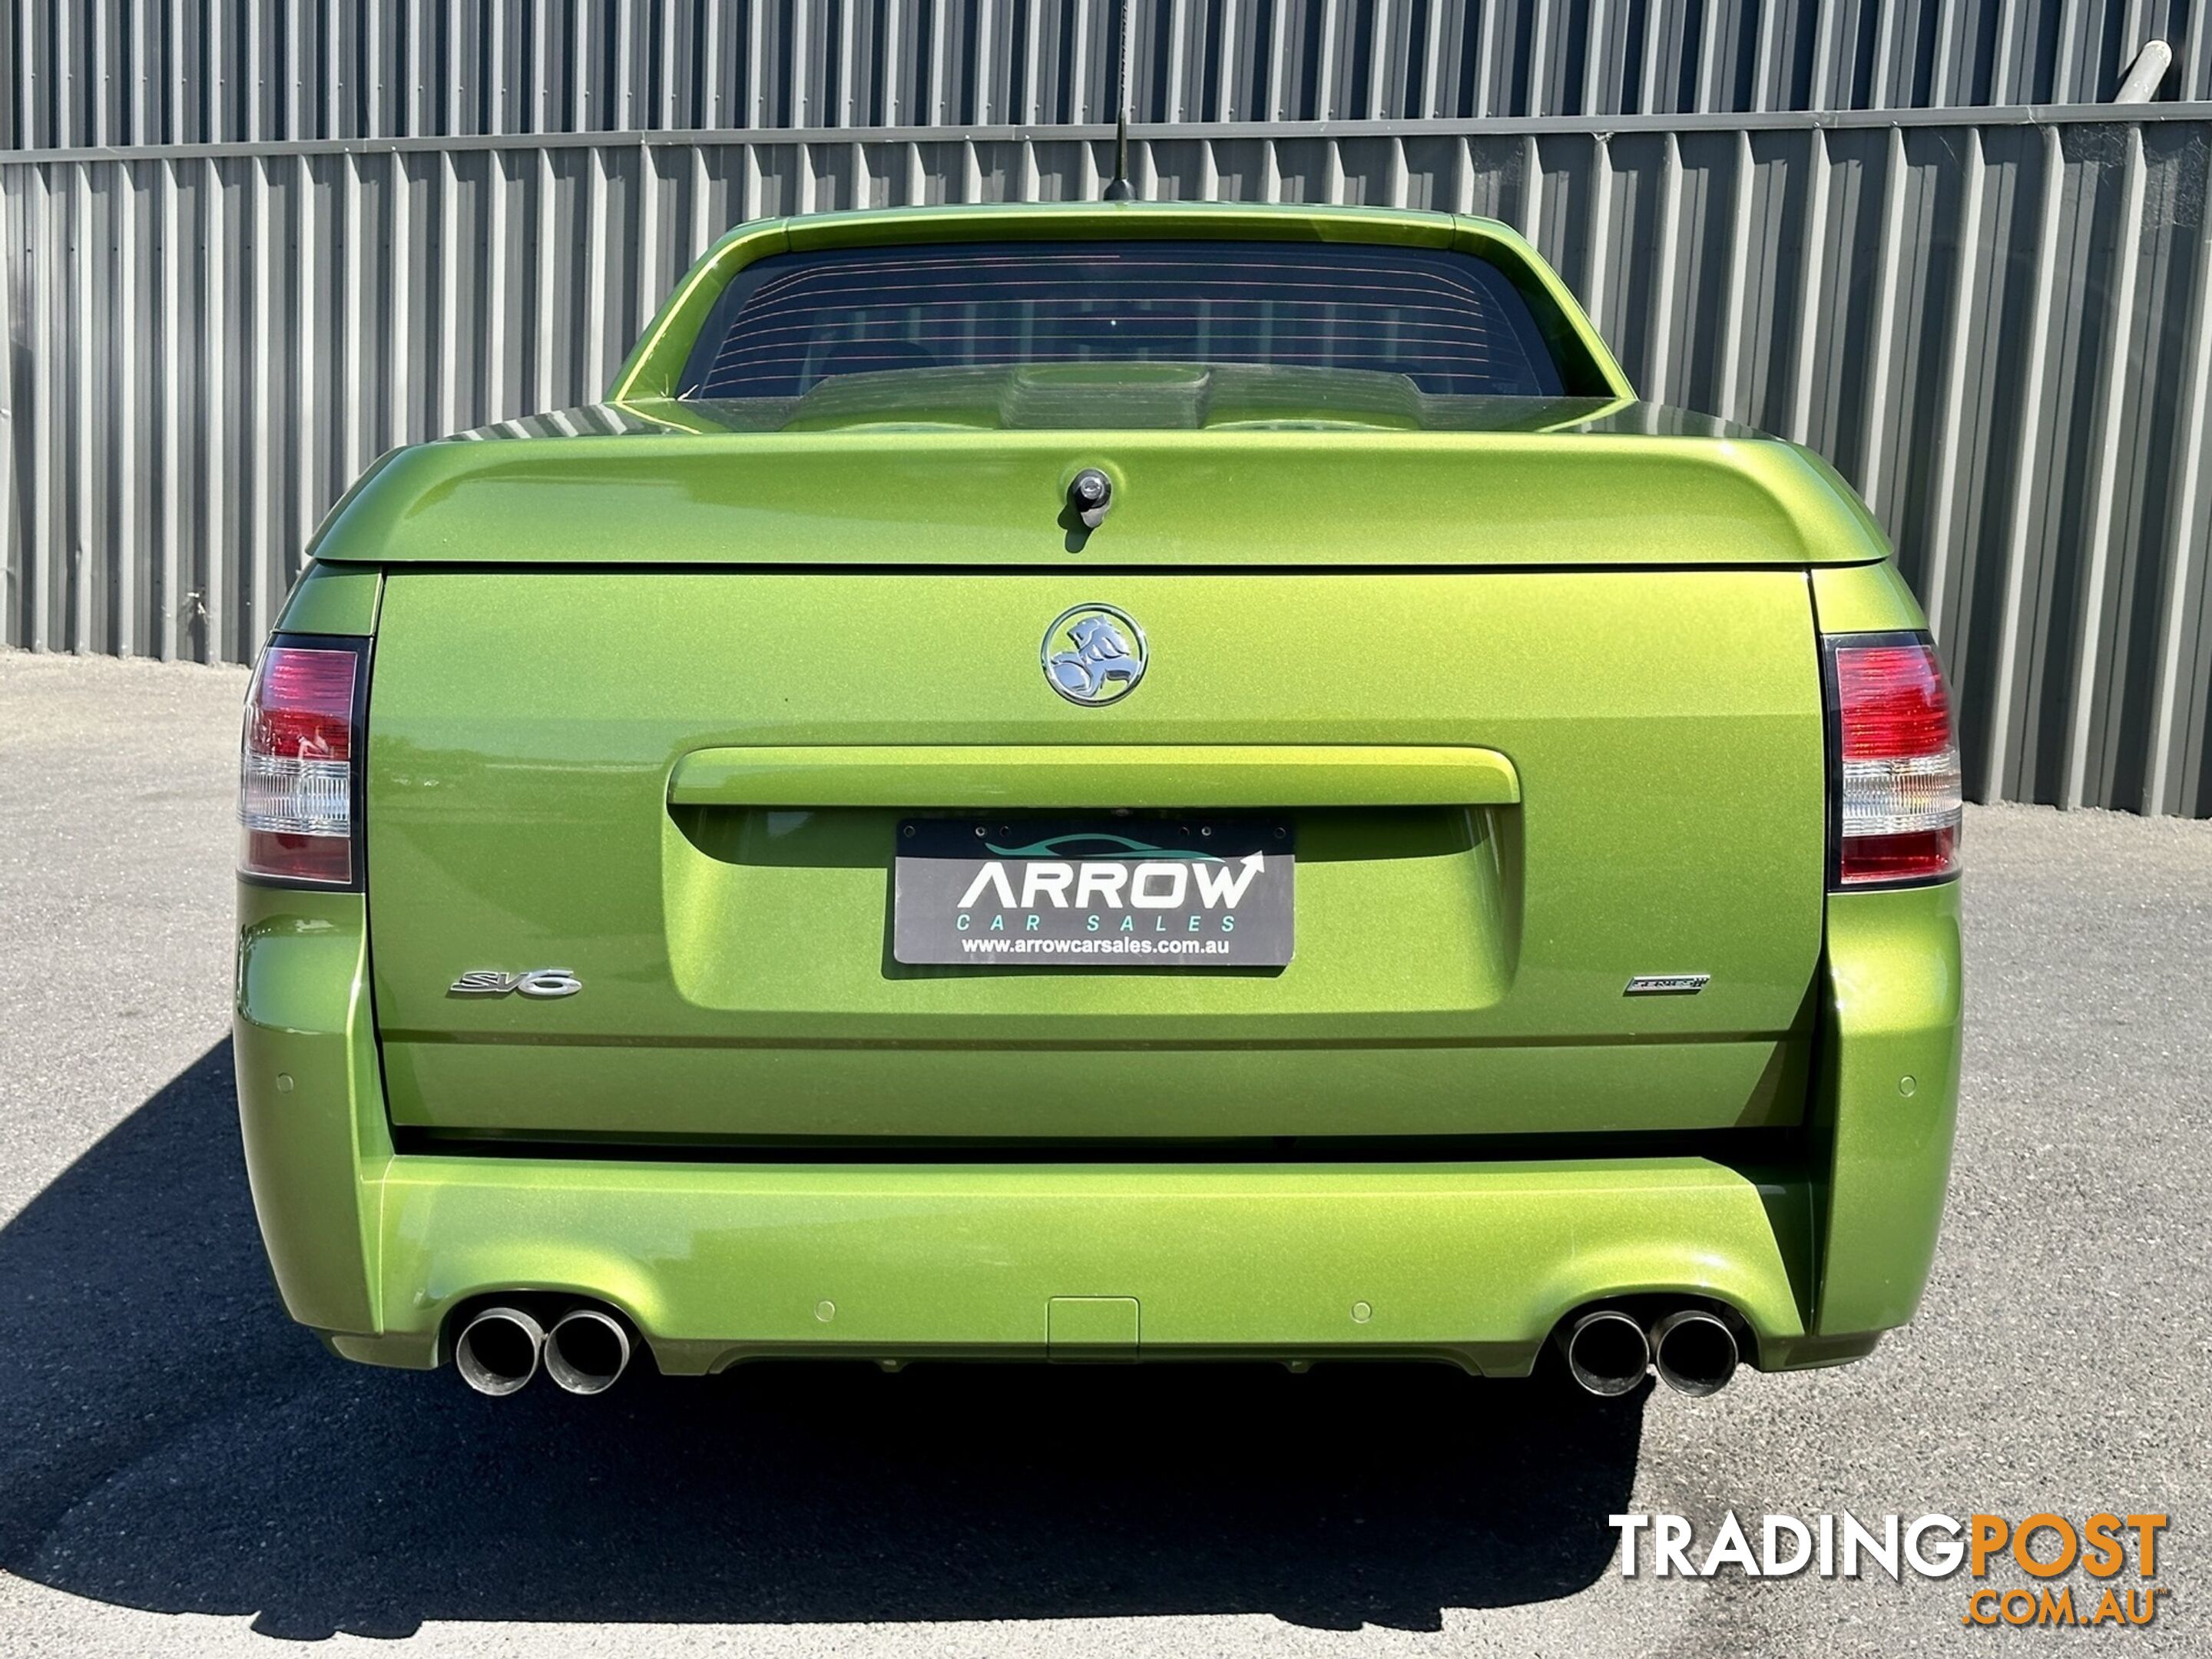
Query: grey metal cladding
[[91, 73], [1999, 327]]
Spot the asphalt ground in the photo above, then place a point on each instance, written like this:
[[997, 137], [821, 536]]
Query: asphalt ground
[[182, 1471]]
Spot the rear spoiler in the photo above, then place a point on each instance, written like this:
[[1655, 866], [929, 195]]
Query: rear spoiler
[[1598, 496]]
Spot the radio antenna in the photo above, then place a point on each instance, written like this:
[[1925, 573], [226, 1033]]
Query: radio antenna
[[1118, 188]]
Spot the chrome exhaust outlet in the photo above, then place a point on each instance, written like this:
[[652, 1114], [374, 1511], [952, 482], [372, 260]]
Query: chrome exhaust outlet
[[1695, 1351], [1606, 1353], [498, 1351], [586, 1352]]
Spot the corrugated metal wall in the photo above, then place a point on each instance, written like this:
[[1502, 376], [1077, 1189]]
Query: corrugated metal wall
[[130, 72], [2001, 331]]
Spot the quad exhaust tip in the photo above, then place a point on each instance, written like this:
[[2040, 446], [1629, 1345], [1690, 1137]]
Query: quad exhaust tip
[[1608, 1352], [498, 1351], [1695, 1351], [586, 1352], [500, 1348]]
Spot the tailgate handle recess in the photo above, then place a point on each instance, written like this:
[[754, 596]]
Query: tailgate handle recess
[[1097, 775]]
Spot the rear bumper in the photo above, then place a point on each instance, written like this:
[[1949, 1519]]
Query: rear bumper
[[1473, 1263], [1470, 1263]]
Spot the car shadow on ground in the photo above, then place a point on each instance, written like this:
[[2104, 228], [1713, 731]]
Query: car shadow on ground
[[172, 1443]]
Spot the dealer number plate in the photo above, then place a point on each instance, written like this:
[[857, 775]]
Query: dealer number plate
[[1118, 892]]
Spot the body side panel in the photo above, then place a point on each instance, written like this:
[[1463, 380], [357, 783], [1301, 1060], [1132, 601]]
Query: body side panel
[[1864, 598], [332, 598], [311, 1099], [1886, 1097]]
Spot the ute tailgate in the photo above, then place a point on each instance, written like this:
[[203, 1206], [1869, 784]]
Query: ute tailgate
[[1460, 968]]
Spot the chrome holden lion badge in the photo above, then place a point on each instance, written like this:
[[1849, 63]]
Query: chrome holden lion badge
[[1094, 654]]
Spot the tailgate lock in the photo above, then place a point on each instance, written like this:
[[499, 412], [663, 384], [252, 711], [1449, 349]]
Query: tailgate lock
[[1089, 494]]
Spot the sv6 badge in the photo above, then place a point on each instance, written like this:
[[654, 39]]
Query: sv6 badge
[[536, 982]]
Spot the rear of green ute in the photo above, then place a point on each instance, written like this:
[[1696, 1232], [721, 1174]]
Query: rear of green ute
[[1584, 762]]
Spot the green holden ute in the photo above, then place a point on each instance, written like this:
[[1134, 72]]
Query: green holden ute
[[1108, 781]]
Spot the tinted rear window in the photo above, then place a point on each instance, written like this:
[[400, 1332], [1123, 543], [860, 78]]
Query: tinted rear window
[[1450, 323]]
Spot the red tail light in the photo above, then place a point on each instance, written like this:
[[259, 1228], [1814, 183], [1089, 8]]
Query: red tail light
[[1896, 762], [297, 776]]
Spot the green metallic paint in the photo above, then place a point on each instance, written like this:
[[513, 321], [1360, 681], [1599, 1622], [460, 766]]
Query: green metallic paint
[[1470, 1262], [1887, 1068], [1864, 599], [830, 1092], [1240, 498], [1093, 1327], [332, 598], [607, 768], [1473, 1262], [1222, 775], [1458, 970], [1886, 1097], [654, 364], [1603, 481], [311, 1098]]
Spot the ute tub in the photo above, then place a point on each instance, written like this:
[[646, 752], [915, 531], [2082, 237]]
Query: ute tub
[[1467, 1261], [915, 473]]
